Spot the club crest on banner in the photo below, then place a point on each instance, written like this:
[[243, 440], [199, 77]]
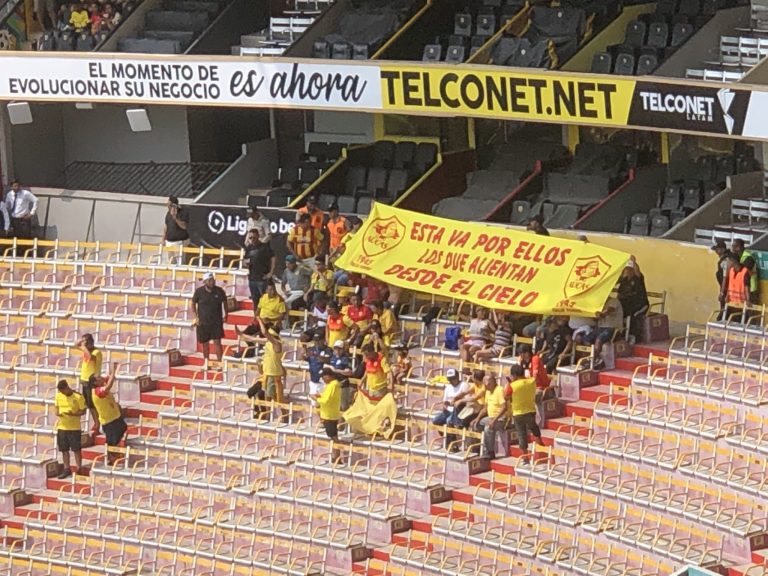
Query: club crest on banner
[[584, 275], [382, 235]]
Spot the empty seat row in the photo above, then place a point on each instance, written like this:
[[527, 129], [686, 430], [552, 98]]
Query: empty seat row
[[376, 182], [652, 224], [406, 154], [68, 41], [554, 215], [340, 50], [351, 204]]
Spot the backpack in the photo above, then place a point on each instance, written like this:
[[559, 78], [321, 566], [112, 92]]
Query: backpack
[[452, 336]]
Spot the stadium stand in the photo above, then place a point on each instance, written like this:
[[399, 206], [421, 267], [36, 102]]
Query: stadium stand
[[102, 20], [739, 52], [283, 29], [651, 39]]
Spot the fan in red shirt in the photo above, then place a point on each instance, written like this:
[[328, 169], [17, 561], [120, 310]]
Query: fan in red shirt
[[534, 367]]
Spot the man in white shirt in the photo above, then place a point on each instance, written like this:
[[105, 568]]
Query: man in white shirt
[[20, 207], [258, 222]]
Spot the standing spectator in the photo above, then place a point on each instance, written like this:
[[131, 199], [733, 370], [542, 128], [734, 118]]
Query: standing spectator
[[721, 271], [261, 264], [272, 364], [318, 318], [341, 363], [69, 407], [21, 207], [260, 224], [304, 241], [748, 261], [209, 306], [633, 296], [359, 313], [110, 413], [89, 367], [339, 327], [296, 282], [271, 307], [492, 419], [737, 285], [377, 374], [329, 401], [337, 228], [448, 415], [316, 356], [315, 213], [533, 367], [536, 225], [522, 391], [176, 233], [382, 311]]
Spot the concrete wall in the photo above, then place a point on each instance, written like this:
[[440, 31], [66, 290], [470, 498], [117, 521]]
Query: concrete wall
[[718, 210], [104, 135], [256, 168], [704, 44], [345, 123], [38, 155]]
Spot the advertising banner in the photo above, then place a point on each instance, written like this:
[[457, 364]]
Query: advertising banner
[[490, 266], [390, 87]]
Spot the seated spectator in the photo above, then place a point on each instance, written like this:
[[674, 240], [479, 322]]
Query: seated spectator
[[478, 335], [402, 367], [492, 419], [502, 340], [316, 356], [522, 392], [448, 415], [374, 290], [295, 283], [383, 313], [339, 326], [79, 19], [633, 296], [341, 362], [557, 343], [250, 336], [321, 280], [95, 17], [359, 313], [610, 321], [470, 402], [271, 307]]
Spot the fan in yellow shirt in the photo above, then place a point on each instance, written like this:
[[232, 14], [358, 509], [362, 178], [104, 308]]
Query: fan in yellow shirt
[[69, 406], [492, 418], [522, 390], [110, 413]]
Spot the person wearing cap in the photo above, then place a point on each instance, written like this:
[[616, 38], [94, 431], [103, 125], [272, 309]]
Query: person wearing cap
[[110, 414], [304, 241], [492, 418], [89, 366], [341, 363], [271, 307], [69, 406], [316, 215], [721, 272], [316, 356], [337, 228], [448, 415], [522, 393], [296, 282], [176, 230], [209, 306], [261, 264], [261, 225], [329, 402]]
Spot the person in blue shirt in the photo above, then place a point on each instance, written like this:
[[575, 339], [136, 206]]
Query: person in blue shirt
[[341, 362], [316, 356]]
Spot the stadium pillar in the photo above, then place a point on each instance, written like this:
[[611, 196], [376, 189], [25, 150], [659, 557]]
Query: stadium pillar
[[6, 159], [664, 147], [571, 137]]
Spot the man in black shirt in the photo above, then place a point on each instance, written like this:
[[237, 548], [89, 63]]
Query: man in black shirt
[[261, 265], [175, 233], [558, 342], [209, 305]]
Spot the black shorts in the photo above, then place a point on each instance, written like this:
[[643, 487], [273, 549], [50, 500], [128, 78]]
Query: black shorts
[[68, 440], [208, 332], [87, 394], [114, 431], [331, 429]]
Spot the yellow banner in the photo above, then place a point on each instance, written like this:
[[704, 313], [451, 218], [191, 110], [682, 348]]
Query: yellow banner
[[511, 94], [491, 266]]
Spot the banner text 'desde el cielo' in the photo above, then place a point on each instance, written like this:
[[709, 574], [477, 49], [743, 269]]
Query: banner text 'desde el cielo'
[[490, 266]]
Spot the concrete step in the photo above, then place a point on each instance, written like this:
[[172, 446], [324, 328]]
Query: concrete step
[[600, 393], [164, 398], [580, 408], [618, 377]]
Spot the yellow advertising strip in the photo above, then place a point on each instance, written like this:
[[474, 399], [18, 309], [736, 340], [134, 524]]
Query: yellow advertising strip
[[490, 266], [514, 94]]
